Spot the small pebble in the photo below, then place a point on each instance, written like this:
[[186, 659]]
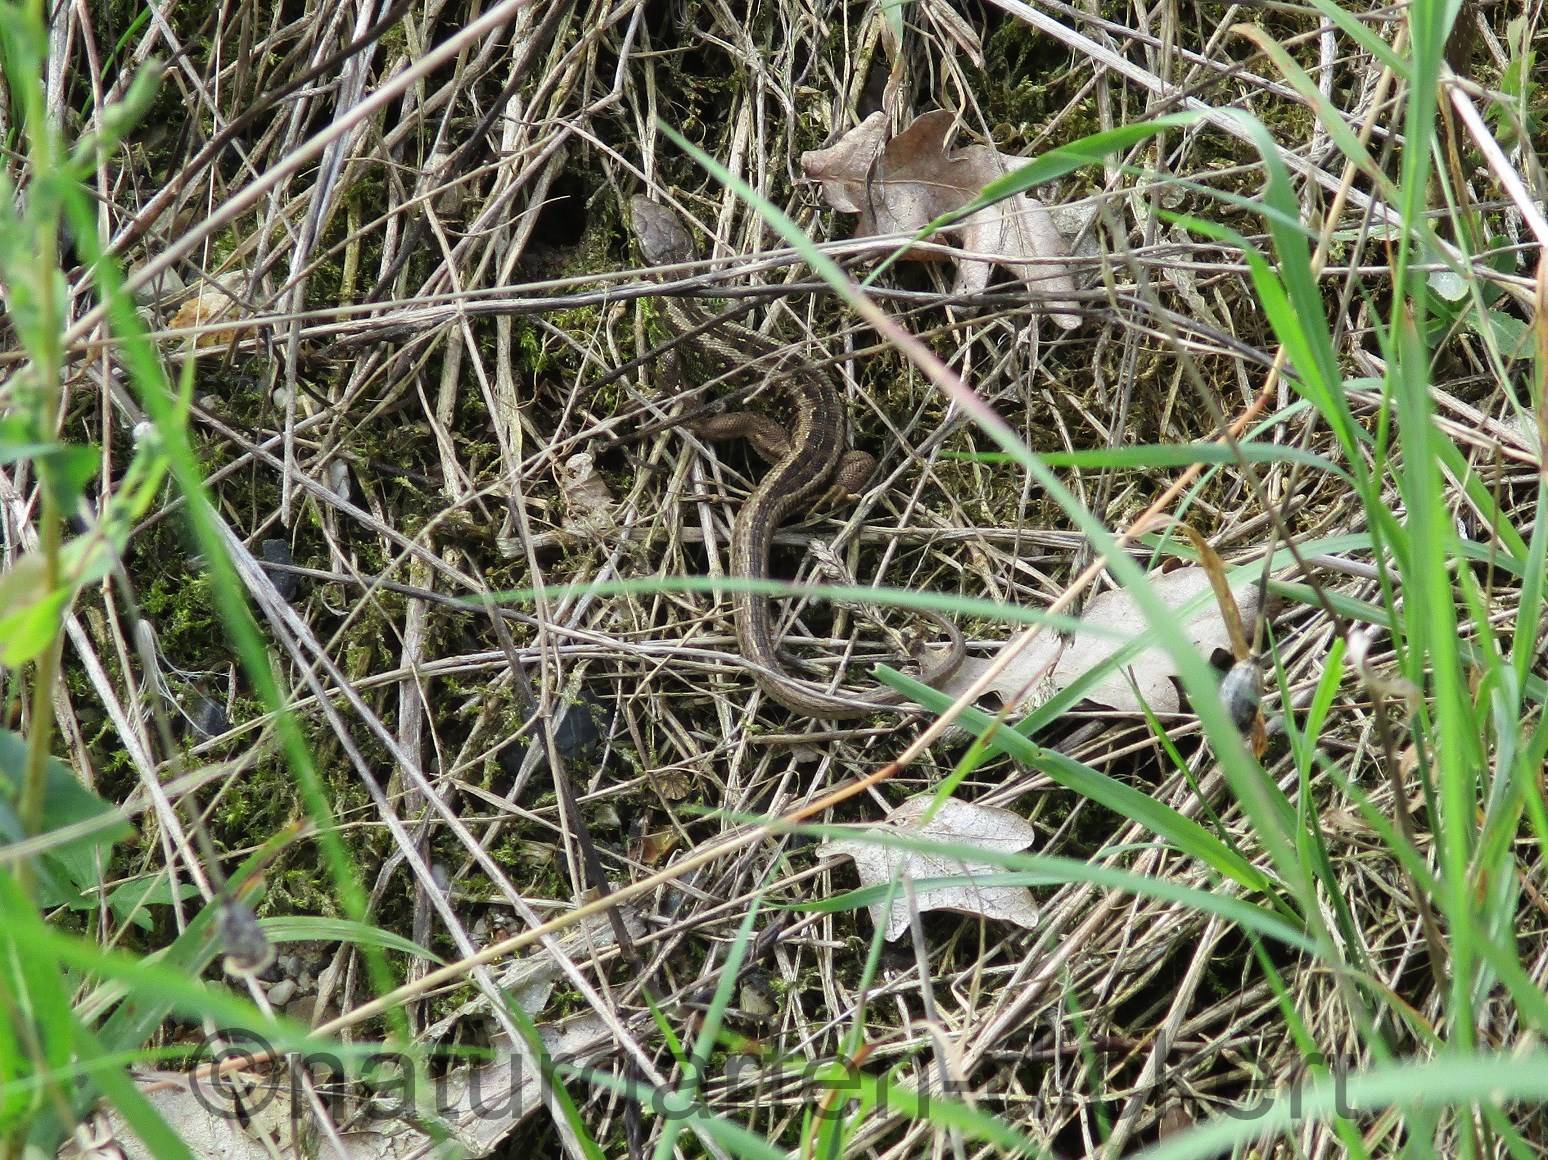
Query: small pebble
[[303, 1009], [287, 584], [282, 992], [450, 196], [606, 816], [338, 478], [758, 997], [162, 288], [576, 736], [743, 1068], [208, 717]]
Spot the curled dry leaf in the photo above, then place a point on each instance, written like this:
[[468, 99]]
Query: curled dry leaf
[[673, 782], [958, 823], [198, 1124], [588, 501], [653, 847], [515, 1084], [1050, 664], [1027, 681], [479, 1105], [900, 185], [215, 300], [659, 232], [955, 27]]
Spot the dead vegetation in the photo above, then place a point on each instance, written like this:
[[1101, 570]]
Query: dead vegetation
[[426, 379]]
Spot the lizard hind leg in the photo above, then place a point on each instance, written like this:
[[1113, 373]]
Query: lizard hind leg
[[849, 478], [771, 440], [767, 437]]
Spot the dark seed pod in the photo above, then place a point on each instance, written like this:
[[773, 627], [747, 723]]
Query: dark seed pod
[[1242, 692], [248, 949]]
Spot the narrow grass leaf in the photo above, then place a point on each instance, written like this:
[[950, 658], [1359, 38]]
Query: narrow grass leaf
[[1046, 870], [1452, 1082], [305, 927]]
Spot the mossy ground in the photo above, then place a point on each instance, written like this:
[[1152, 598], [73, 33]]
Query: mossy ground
[[409, 384]]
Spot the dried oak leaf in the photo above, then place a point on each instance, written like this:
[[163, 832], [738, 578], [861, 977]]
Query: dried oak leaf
[[590, 509], [902, 184], [959, 823], [1049, 664], [215, 301], [1026, 681]]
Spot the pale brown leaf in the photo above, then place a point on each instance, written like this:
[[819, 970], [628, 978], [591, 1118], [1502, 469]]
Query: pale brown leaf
[[959, 823], [902, 184], [1152, 670], [1026, 680], [216, 300], [590, 509], [1050, 664]]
